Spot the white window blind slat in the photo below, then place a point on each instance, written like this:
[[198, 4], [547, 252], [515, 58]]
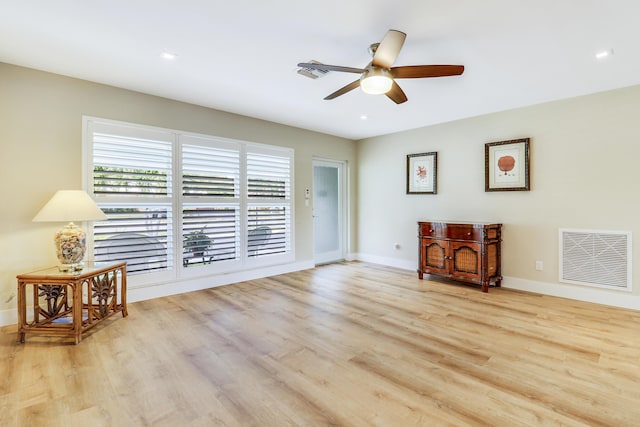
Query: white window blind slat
[[131, 166], [268, 176], [127, 152], [269, 230], [210, 171], [210, 234]]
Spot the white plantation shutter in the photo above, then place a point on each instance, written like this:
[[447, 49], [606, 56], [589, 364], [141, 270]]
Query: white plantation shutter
[[269, 229], [211, 233], [269, 203], [132, 182], [211, 193], [210, 172], [140, 235], [268, 176], [124, 165]]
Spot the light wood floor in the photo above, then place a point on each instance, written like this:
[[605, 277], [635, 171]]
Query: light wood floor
[[350, 344]]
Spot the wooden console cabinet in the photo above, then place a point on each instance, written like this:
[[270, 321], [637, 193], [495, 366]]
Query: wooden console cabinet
[[466, 252]]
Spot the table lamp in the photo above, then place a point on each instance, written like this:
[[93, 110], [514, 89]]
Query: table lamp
[[70, 205]]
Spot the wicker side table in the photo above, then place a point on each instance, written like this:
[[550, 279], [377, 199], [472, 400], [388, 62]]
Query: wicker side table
[[70, 303]]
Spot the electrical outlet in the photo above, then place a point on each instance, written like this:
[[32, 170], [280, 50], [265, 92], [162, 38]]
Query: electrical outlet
[[539, 265]]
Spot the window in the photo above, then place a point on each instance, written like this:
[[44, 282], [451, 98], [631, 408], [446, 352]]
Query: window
[[179, 203]]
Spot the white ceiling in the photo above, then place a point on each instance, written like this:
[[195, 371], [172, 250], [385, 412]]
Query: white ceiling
[[240, 55]]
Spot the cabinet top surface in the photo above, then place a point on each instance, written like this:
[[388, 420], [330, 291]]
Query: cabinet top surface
[[466, 223], [90, 269]]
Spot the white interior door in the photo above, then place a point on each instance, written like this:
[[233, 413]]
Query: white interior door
[[328, 211]]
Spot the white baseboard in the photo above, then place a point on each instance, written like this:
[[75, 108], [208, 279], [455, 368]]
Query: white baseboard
[[10, 316], [402, 264], [580, 293], [594, 295], [598, 296], [351, 257]]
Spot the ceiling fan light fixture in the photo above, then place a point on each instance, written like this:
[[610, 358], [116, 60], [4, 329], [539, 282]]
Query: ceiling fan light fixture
[[379, 77], [376, 81]]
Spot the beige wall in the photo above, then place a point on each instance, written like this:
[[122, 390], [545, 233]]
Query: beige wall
[[583, 170], [40, 152], [584, 173]]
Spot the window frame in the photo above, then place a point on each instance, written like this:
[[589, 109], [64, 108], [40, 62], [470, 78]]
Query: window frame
[[178, 201]]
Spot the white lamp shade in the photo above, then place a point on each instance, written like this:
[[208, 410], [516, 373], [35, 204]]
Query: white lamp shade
[[68, 206]]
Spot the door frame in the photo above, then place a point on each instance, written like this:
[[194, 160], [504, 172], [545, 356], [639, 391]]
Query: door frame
[[343, 206]]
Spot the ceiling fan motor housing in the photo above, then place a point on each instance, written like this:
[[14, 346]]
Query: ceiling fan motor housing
[[372, 48]]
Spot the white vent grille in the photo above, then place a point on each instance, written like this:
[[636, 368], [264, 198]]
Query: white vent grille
[[312, 73], [596, 258]]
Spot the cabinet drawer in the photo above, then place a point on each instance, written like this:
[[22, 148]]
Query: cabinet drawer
[[440, 230], [464, 233], [432, 229]]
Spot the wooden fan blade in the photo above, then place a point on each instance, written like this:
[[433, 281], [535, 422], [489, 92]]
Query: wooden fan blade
[[419, 71], [396, 94], [389, 48], [351, 86], [325, 67]]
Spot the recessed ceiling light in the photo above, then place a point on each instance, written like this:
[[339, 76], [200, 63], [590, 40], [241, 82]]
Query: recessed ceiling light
[[363, 117], [168, 56], [604, 54]]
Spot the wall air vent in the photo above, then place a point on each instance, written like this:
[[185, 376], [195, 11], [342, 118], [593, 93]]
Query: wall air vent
[[596, 258], [312, 73]]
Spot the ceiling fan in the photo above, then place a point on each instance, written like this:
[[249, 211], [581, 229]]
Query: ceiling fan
[[379, 76]]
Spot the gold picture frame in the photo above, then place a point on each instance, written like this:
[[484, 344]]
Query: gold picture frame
[[507, 165]]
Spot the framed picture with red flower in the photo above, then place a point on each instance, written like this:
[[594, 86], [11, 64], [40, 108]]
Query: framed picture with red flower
[[422, 176], [506, 165]]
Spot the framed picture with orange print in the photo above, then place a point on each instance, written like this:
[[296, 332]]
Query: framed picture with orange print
[[506, 165]]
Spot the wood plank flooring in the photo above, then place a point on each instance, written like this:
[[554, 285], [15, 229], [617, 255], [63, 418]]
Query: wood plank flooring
[[350, 344]]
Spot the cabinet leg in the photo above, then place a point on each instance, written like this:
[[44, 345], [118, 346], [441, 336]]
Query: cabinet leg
[[485, 287], [420, 274]]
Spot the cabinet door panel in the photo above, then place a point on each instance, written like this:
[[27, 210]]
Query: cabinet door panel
[[493, 259], [466, 260], [434, 255]]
